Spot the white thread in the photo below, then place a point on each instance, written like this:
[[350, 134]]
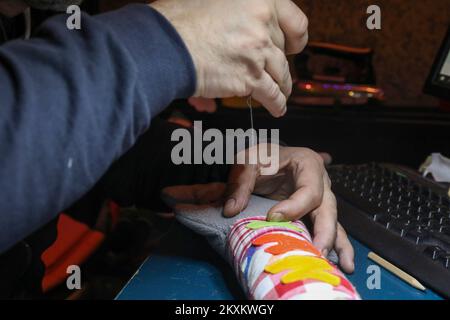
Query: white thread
[[252, 181], [249, 104], [27, 16]]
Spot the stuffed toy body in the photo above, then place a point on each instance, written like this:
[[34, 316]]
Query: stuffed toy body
[[272, 260], [277, 261]]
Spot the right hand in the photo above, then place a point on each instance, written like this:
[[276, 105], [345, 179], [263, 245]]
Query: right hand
[[239, 47]]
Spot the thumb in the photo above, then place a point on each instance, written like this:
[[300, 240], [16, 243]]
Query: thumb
[[241, 183]]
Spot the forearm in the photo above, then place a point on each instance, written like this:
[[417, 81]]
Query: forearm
[[74, 101]]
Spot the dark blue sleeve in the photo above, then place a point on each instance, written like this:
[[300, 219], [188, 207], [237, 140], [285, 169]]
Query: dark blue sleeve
[[74, 101]]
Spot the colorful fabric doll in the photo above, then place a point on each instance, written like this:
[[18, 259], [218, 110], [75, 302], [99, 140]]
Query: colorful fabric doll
[[277, 261], [272, 260]]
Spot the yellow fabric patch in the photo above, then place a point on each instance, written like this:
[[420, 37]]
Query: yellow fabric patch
[[304, 268], [255, 225]]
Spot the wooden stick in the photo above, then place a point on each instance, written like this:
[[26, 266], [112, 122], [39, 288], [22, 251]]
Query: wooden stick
[[395, 270]]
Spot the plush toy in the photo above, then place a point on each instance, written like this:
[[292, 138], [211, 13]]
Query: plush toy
[[272, 260]]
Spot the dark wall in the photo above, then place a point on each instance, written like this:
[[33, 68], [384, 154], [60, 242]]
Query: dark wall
[[412, 31]]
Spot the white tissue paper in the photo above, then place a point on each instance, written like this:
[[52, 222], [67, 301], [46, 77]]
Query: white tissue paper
[[438, 167]]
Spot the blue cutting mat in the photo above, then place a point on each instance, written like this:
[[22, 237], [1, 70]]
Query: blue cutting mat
[[186, 268]]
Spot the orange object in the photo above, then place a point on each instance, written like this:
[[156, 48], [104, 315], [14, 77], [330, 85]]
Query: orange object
[[74, 244], [239, 103], [185, 123], [114, 211], [284, 243]]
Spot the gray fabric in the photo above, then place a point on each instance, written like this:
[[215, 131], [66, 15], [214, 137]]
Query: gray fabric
[[209, 221]]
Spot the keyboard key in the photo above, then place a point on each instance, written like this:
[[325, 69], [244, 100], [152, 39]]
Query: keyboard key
[[398, 227], [434, 252], [445, 260], [382, 219], [445, 230], [433, 223], [417, 235]]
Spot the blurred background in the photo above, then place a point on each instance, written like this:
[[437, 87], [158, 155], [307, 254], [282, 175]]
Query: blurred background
[[405, 48]]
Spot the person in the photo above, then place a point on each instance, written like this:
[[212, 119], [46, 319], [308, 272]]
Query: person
[[79, 110]]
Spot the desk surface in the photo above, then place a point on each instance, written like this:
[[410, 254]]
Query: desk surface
[[186, 268]]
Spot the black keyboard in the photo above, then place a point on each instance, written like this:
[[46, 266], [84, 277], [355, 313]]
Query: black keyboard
[[400, 215]]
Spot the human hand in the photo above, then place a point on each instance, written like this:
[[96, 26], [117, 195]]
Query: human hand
[[302, 186], [239, 47]]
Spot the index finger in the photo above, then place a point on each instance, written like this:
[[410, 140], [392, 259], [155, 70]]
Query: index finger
[[240, 185], [294, 24]]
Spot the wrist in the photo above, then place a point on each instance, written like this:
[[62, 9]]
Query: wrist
[[174, 15], [150, 37]]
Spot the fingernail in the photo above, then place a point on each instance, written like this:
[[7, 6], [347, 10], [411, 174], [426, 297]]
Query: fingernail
[[230, 204], [283, 111], [276, 217], [325, 252]]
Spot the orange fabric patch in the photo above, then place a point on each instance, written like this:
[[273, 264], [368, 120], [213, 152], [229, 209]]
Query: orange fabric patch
[[284, 243], [74, 244]]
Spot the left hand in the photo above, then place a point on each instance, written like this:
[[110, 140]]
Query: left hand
[[301, 185]]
